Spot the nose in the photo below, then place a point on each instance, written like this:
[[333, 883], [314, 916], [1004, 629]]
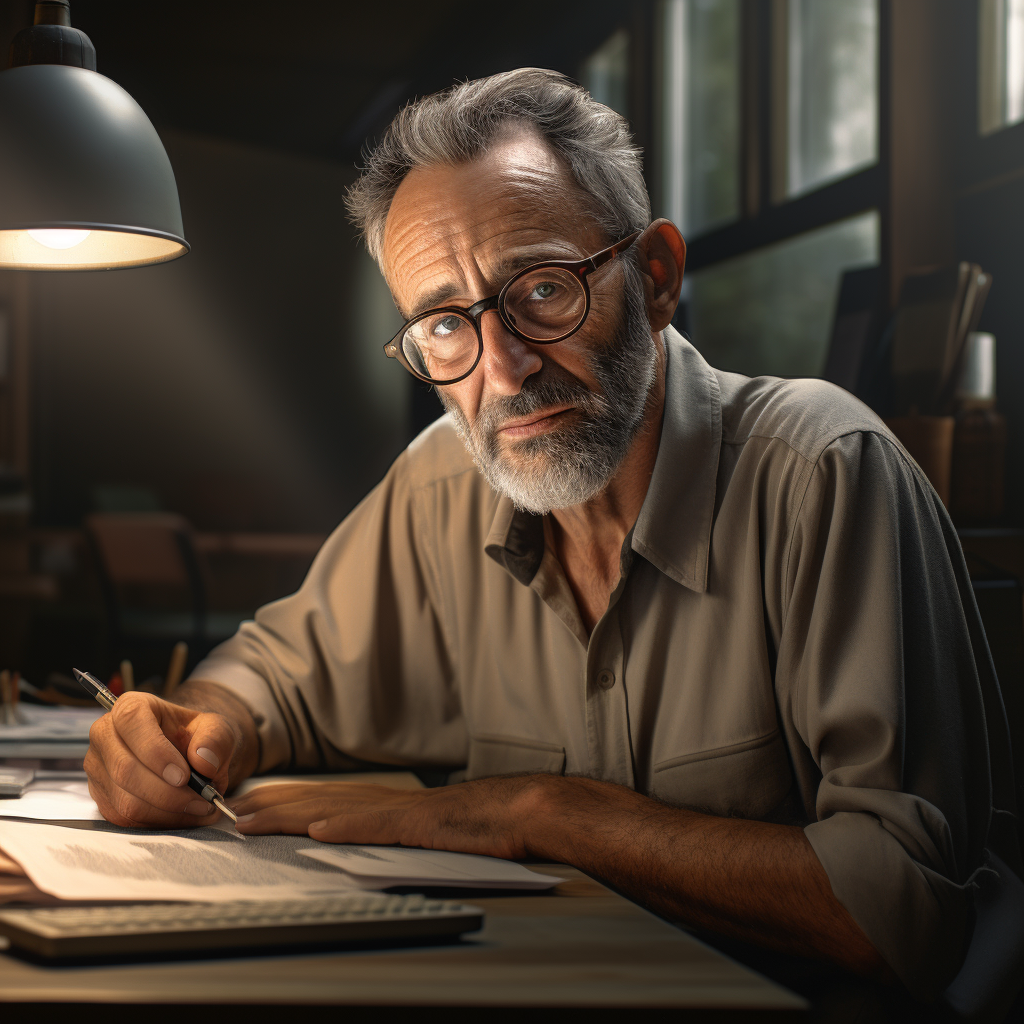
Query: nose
[[507, 360]]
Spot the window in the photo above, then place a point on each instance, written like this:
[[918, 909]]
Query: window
[[605, 73], [769, 163], [831, 58], [701, 112], [1000, 64], [770, 310]]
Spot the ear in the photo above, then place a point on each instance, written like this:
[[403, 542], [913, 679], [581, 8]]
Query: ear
[[661, 254]]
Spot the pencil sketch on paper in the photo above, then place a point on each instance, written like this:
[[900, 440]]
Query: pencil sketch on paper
[[108, 863]]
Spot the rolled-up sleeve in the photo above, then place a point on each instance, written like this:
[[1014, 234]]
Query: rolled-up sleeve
[[878, 665], [355, 666]]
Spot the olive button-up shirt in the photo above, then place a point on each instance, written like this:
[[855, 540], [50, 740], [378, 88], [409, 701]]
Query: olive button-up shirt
[[793, 638]]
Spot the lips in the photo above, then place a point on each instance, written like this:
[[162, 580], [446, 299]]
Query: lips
[[533, 424]]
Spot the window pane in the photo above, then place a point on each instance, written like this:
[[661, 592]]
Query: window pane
[[701, 113], [1000, 64], [770, 311], [832, 63], [605, 73]]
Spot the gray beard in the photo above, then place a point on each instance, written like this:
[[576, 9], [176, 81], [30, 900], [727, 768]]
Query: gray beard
[[573, 463]]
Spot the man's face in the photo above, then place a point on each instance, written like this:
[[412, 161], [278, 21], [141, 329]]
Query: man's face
[[548, 425]]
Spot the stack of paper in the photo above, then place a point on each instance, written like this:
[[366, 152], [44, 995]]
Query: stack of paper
[[94, 860], [200, 864], [49, 733], [53, 796]]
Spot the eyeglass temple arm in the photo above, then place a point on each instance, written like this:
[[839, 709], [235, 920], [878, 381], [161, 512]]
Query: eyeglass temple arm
[[601, 258]]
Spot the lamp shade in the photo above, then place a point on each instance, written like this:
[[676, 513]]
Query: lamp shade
[[85, 183]]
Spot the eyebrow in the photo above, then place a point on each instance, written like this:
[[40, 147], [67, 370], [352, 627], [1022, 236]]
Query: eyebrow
[[507, 266]]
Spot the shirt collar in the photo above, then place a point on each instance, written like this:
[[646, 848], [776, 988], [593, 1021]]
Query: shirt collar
[[673, 530], [516, 540]]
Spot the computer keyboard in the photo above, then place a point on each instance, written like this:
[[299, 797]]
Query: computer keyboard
[[194, 927]]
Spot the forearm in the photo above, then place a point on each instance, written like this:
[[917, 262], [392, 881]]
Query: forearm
[[757, 881], [205, 696]]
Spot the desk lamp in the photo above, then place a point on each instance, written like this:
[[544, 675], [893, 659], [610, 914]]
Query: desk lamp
[[85, 183]]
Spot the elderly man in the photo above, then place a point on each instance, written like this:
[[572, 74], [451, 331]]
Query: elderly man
[[708, 638]]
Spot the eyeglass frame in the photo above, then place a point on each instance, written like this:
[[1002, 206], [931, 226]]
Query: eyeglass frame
[[581, 268]]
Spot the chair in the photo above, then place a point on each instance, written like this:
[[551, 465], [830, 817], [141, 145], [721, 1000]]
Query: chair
[[153, 583]]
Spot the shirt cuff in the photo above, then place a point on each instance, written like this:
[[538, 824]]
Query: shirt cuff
[[255, 693], [915, 917]]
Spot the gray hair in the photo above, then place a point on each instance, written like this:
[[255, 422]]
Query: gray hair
[[458, 124]]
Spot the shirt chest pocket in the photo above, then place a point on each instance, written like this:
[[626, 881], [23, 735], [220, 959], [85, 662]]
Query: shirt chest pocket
[[746, 780], [505, 755]]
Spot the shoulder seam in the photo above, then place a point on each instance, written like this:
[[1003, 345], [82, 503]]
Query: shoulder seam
[[832, 436]]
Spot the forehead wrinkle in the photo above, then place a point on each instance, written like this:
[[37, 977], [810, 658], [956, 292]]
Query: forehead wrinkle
[[455, 230]]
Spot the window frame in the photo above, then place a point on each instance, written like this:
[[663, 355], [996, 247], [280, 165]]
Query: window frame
[[979, 160], [765, 216]]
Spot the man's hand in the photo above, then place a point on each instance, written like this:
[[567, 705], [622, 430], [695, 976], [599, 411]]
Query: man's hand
[[754, 880], [487, 816], [140, 754]]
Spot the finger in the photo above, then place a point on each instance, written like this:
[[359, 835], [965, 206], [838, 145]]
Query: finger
[[116, 773], [289, 819], [380, 827], [144, 723], [268, 796], [133, 777], [127, 809], [345, 794], [211, 745]]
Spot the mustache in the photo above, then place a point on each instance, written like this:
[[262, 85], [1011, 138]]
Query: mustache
[[552, 386]]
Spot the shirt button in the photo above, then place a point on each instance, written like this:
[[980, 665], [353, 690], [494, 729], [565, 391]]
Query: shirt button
[[606, 679]]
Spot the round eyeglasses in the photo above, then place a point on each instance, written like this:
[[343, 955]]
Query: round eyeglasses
[[545, 303]]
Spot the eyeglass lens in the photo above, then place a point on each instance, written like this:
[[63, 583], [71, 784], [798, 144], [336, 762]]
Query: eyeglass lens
[[543, 305]]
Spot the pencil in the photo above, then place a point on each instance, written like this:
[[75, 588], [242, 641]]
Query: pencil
[[176, 668]]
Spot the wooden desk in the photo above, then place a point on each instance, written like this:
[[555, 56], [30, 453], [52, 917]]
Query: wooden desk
[[580, 945]]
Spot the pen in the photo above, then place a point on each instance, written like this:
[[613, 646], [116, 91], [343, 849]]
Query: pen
[[198, 783]]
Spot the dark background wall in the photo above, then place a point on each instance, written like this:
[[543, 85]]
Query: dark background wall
[[238, 383], [244, 383]]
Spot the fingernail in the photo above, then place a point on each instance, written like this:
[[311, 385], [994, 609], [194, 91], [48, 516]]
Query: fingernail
[[208, 755], [315, 826], [243, 818], [174, 775], [199, 807]]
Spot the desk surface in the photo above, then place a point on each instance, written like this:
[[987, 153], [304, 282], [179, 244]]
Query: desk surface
[[579, 945]]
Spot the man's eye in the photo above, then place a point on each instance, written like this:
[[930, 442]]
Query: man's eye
[[544, 290], [448, 325]]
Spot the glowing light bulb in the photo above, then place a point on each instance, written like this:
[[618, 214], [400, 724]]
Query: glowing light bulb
[[58, 238]]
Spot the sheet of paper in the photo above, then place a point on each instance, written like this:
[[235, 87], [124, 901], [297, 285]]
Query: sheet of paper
[[103, 862], [64, 796], [53, 800], [379, 867]]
